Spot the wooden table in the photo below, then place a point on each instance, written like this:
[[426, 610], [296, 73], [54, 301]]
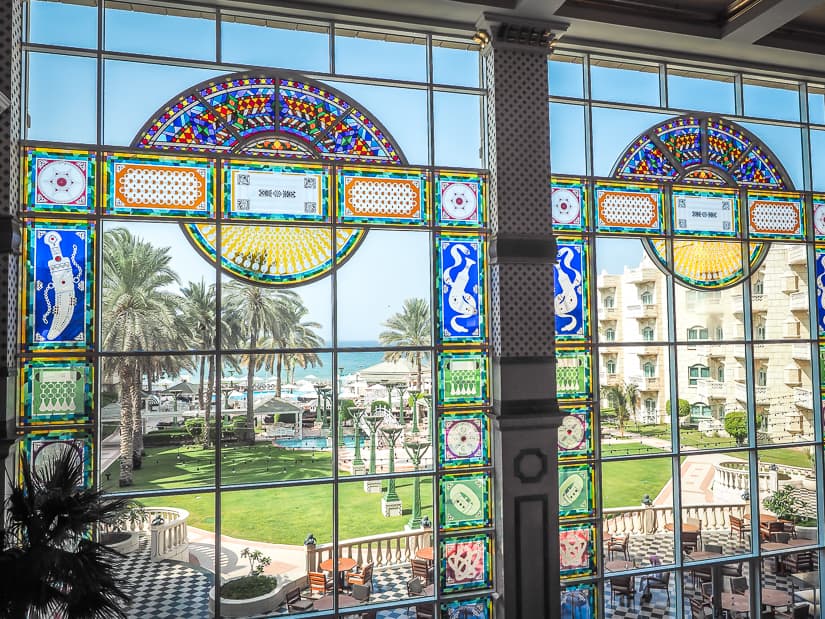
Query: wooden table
[[345, 564], [618, 565], [792, 543], [775, 597], [425, 553], [690, 528], [702, 555], [736, 602], [326, 602]]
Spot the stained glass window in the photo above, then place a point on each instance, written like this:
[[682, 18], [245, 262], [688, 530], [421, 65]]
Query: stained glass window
[[188, 327]]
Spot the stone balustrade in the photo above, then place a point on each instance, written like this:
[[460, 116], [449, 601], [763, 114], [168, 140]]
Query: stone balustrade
[[647, 520], [380, 550], [169, 537]]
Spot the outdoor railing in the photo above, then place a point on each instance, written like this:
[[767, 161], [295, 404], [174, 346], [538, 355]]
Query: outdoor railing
[[647, 520], [380, 550], [169, 538]]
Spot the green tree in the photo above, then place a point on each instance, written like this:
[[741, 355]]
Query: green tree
[[49, 565], [138, 314], [625, 400], [258, 313], [736, 425], [409, 327], [198, 319], [684, 407]]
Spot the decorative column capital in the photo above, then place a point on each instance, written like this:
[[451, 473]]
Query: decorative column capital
[[505, 31]]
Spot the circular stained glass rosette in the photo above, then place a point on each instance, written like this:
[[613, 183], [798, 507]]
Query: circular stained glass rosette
[[276, 255], [711, 151], [707, 264], [271, 116]]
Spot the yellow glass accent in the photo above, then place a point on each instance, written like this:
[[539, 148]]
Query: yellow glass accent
[[278, 253], [708, 263]]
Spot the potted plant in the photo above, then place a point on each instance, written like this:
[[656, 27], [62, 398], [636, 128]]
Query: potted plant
[[787, 506], [253, 594], [123, 536], [49, 566]]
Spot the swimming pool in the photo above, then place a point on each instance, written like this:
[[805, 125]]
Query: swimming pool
[[314, 442]]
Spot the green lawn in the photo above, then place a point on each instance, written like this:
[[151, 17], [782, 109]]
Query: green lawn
[[192, 466], [625, 483], [276, 515]]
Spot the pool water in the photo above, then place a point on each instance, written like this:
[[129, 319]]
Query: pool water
[[315, 442]]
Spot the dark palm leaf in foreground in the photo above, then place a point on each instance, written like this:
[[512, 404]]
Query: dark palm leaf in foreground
[[49, 564]]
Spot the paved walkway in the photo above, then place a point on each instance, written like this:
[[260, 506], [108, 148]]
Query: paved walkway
[[697, 474]]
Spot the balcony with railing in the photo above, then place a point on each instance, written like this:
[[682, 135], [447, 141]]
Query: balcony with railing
[[797, 255], [760, 392], [708, 388], [642, 311], [801, 352], [642, 275], [799, 302], [803, 398]]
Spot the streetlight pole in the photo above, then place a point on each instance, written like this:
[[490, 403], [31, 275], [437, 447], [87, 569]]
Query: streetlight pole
[[391, 503], [373, 420], [414, 392], [416, 447], [357, 414]]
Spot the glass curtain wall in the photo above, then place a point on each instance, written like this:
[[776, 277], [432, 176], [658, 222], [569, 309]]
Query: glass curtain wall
[[688, 325], [255, 302]]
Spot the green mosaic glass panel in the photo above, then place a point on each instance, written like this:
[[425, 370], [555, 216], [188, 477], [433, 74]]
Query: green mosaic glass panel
[[576, 491], [573, 373], [460, 199], [40, 447], [156, 186], [465, 501], [576, 433], [56, 391], [59, 181], [466, 563], [465, 440], [462, 378]]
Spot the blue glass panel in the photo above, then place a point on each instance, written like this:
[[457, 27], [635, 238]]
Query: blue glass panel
[[570, 290], [460, 278], [59, 259], [820, 290]]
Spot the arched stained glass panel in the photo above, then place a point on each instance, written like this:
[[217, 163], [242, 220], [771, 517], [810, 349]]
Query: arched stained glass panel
[[239, 115]]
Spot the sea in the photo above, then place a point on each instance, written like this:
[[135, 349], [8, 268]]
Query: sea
[[348, 363]]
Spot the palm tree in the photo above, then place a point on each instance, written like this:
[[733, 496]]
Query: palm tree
[[137, 313], [199, 308], [295, 332], [625, 400], [409, 327], [257, 311], [49, 566]]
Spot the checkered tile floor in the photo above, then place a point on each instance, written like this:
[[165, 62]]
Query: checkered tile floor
[[641, 547], [166, 589], [175, 590]]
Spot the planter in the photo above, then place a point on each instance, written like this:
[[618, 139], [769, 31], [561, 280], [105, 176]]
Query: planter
[[130, 543], [809, 483], [806, 532], [249, 607]]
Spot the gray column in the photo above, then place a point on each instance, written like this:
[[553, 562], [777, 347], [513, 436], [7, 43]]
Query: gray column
[[11, 24], [522, 253]]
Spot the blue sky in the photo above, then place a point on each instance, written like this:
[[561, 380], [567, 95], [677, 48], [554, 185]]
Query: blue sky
[[388, 267]]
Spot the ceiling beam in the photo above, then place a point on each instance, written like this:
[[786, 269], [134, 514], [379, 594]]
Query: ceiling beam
[[750, 20]]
